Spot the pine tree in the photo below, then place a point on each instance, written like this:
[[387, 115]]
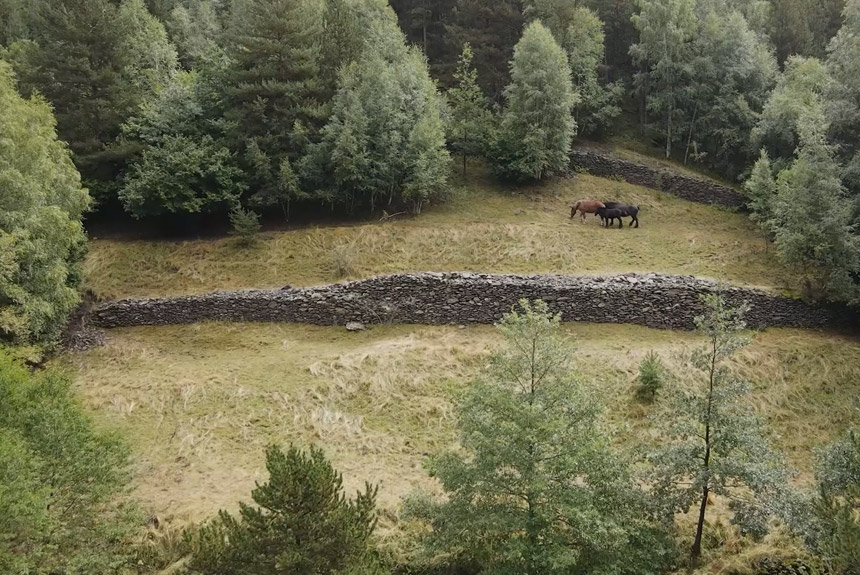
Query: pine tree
[[536, 488], [303, 523], [712, 443], [42, 241], [273, 84], [537, 127], [761, 192], [492, 28], [95, 61], [833, 531], [471, 119]]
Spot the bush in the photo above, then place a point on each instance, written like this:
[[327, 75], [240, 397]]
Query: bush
[[651, 377], [245, 224], [343, 258], [304, 524], [59, 481]]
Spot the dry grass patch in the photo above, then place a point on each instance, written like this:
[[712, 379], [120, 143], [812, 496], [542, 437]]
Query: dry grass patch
[[199, 403], [483, 228]]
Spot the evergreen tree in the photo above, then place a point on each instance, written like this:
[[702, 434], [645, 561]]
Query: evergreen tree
[[42, 241], [537, 126], [95, 61], [834, 530], [424, 22], [193, 27], [712, 443], [536, 488], [761, 192], [492, 28], [598, 105], [385, 140], [303, 523], [812, 219], [273, 86], [471, 121], [666, 29]]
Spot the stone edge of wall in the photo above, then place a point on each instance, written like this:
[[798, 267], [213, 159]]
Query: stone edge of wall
[[605, 164], [653, 300]]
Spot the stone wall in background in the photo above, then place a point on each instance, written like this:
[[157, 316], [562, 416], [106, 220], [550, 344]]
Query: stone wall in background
[[699, 190], [654, 300]]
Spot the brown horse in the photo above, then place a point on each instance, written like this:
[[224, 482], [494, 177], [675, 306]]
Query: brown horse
[[585, 207]]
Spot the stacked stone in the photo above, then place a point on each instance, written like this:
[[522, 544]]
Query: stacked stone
[[654, 300], [689, 188]]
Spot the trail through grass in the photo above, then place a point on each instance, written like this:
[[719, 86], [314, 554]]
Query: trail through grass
[[484, 228]]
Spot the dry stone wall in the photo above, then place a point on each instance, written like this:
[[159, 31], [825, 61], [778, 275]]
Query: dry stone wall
[[600, 163], [661, 301]]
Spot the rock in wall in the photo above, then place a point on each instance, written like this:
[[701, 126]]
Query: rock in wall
[[601, 163], [654, 300]]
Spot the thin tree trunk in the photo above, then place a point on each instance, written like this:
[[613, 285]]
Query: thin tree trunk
[[690, 135], [696, 550], [669, 131]]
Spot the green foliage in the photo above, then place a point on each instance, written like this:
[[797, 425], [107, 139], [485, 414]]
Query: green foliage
[[193, 26], [42, 241], [95, 61], [386, 138], [843, 93], [812, 220], [834, 533], [471, 121], [666, 28], [761, 191], [59, 482], [711, 440], [302, 524], [537, 126], [492, 29], [182, 175], [598, 105], [245, 224], [272, 84], [652, 374], [536, 487], [799, 92], [732, 71]]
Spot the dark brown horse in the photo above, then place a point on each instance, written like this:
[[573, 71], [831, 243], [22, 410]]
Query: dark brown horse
[[627, 210]]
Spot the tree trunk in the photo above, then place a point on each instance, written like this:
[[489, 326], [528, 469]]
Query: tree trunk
[[669, 131], [696, 551], [690, 135]]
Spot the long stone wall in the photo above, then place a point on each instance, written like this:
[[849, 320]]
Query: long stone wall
[[699, 190], [654, 300]]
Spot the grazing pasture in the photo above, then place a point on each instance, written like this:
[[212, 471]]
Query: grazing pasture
[[200, 403], [484, 228]]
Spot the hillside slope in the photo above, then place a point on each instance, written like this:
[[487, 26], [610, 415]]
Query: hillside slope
[[485, 227]]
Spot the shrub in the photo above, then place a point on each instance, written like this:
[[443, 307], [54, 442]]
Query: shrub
[[303, 524], [343, 258], [245, 224], [651, 377]]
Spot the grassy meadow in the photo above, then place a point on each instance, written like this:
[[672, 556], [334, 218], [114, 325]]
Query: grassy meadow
[[199, 403], [483, 228]]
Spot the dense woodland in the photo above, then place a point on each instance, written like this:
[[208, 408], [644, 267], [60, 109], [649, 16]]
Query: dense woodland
[[163, 110]]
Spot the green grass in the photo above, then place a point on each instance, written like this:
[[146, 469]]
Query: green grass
[[199, 403], [485, 228]]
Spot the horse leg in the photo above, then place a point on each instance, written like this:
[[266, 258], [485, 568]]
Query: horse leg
[[620, 223]]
